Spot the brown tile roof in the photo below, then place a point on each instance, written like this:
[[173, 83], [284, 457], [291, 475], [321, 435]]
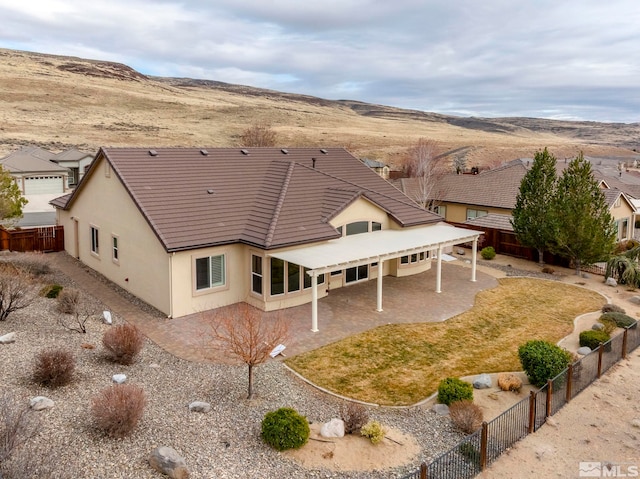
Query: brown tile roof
[[492, 220], [266, 197]]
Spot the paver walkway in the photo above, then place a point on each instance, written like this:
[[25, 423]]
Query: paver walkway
[[343, 312]]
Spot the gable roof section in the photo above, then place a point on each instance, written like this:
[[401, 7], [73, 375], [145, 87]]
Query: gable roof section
[[72, 154], [31, 160], [267, 197]]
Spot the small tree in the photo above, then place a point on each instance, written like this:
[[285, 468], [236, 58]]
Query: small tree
[[531, 217], [424, 162], [258, 134], [584, 230], [11, 199], [246, 334]]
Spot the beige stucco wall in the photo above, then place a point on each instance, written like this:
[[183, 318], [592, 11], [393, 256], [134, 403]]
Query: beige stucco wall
[[620, 212], [143, 265]]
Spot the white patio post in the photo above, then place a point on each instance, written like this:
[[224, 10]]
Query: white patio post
[[379, 296], [439, 271], [314, 302], [474, 255]]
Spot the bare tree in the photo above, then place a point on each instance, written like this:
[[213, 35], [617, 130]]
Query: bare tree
[[259, 134], [16, 291], [247, 334], [17, 425], [424, 162]]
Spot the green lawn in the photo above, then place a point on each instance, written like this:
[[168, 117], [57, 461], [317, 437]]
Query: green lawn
[[400, 364]]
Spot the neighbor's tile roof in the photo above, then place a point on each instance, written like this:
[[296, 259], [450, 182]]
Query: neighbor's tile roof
[[72, 154], [492, 220], [266, 198], [31, 160]]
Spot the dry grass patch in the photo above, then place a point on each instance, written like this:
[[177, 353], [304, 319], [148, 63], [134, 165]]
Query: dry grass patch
[[401, 364]]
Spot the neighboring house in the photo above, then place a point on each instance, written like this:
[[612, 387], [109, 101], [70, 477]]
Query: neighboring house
[[35, 173], [380, 168], [76, 162], [188, 229]]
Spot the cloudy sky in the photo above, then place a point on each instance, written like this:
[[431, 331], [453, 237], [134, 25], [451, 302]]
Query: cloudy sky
[[565, 59]]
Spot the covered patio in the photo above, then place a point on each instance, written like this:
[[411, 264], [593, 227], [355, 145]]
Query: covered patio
[[378, 247]]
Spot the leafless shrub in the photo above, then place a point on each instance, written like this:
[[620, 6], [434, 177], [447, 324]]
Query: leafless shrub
[[118, 409], [17, 425], [259, 134], [354, 416], [548, 270], [54, 368], [68, 301], [613, 308], [466, 416], [123, 343], [509, 382], [16, 290], [36, 264]]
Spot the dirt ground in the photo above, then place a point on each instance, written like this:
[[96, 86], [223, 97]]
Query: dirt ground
[[601, 426]]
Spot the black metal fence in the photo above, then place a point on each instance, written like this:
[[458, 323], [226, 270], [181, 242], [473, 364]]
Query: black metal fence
[[476, 451]]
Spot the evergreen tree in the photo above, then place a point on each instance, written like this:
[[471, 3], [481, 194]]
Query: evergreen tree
[[532, 214], [11, 199], [584, 229]]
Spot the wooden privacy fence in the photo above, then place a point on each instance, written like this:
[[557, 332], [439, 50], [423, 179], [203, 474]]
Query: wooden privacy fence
[[46, 239], [478, 450]]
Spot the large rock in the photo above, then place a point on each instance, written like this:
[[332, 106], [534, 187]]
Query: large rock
[[8, 338], [482, 381], [167, 461], [597, 326], [39, 403], [199, 406], [119, 378], [333, 428], [584, 350], [441, 409], [611, 282], [635, 299]]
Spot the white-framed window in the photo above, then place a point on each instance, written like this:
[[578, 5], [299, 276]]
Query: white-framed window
[[441, 210], [358, 227], [210, 272], [115, 249], [471, 213], [287, 277], [256, 274], [95, 244], [414, 258]]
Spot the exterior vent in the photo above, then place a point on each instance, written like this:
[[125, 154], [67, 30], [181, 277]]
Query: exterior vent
[[323, 151], [210, 191], [313, 162], [153, 153], [204, 152], [286, 152], [244, 152]]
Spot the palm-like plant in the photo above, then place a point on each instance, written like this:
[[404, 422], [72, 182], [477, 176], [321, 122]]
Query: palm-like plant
[[625, 268]]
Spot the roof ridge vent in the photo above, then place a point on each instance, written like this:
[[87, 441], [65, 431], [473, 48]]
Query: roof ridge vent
[[204, 152], [323, 151], [153, 153], [284, 151], [244, 152]]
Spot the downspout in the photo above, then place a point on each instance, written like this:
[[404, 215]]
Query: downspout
[[171, 285]]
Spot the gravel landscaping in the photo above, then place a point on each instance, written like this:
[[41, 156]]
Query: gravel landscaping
[[223, 443]]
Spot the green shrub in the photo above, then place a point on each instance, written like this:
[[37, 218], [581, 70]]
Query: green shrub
[[285, 429], [542, 360], [454, 389], [51, 291], [488, 252], [592, 338], [373, 431], [621, 319], [470, 453], [613, 308]]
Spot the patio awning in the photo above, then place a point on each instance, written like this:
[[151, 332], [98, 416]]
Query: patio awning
[[377, 246], [350, 251]]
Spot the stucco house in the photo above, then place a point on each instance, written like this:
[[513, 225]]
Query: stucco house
[[34, 171], [190, 229], [76, 162]]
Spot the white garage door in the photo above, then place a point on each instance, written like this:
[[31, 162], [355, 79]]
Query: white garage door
[[43, 184]]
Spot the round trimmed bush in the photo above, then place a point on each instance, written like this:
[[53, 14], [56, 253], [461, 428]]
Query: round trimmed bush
[[542, 360], [620, 319], [453, 389], [373, 431], [54, 368], [285, 429], [592, 338], [488, 252]]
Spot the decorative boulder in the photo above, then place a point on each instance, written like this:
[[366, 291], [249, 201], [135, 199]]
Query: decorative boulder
[[441, 409], [333, 428], [167, 461], [39, 403], [199, 406], [119, 378], [460, 251], [584, 350], [106, 317], [8, 338], [483, 381], [611, 282], [597, 326], [635, 299]]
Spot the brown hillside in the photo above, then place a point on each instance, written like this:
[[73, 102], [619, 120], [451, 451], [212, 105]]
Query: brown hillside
[[57, 102]]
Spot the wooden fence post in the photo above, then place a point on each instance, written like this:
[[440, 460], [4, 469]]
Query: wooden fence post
[[549, 412], [532, 411], [624, 343], [483, 446], [569, 382], [600, 351], [423, 470]]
